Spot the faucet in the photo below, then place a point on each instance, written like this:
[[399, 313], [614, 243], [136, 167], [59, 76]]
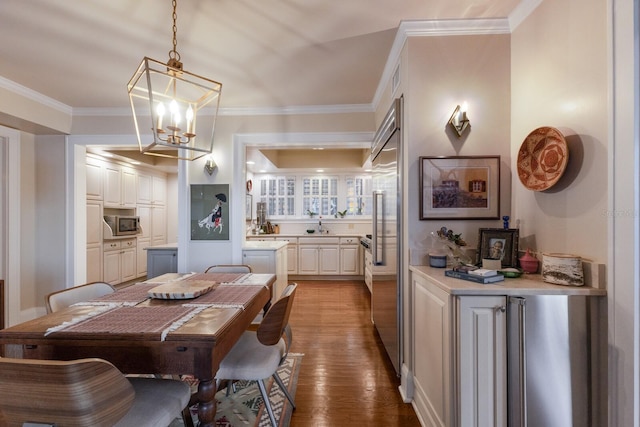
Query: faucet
[[320, 226]]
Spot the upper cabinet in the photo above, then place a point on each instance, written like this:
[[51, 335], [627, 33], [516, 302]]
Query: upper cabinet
[[119, 187], [95, 179], [152, 189]]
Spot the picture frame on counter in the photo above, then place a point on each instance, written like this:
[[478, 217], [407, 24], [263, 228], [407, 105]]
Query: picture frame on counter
[[499, 243], [459, 187]]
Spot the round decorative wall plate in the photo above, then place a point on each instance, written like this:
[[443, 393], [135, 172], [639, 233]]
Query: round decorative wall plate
[[542, 158]]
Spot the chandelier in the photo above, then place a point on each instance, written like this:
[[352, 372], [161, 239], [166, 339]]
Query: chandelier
[[174, 111]]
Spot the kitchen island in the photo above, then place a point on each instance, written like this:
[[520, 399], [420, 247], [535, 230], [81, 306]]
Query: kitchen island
[[478, 351], [162, 259], [268, 256]]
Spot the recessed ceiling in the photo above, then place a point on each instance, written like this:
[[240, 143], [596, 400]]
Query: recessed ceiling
[[289, 159]]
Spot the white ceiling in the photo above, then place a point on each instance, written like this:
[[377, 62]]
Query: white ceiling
[[276, 53]]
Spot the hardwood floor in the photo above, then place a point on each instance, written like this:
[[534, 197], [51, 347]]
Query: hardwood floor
[[346, 379]]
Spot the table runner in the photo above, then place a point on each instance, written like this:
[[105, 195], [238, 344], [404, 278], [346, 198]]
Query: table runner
[[158, 320], [227, 296], [217, 277]]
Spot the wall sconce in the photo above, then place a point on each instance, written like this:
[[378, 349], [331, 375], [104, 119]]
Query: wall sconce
[[459, 120], [210, 166]]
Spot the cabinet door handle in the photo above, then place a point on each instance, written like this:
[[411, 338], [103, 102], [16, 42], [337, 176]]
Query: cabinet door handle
[[500, 309]]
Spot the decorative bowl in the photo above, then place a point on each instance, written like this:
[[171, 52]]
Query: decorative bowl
[[510, 272]]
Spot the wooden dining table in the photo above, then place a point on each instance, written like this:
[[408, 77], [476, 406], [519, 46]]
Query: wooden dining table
[[144, 335]]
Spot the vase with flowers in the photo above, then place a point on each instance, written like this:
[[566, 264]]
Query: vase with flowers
[[453, 243]]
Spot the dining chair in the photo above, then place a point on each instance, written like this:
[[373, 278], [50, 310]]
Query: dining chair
[[229, 268], [60, 299], [258, 354], [85, 392]]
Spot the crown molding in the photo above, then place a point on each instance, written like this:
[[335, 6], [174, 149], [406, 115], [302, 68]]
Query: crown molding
[[245, 111], [31, 94], [431, 28], [520, 13]]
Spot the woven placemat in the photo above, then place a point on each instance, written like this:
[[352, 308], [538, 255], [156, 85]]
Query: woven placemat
[[141, 319]]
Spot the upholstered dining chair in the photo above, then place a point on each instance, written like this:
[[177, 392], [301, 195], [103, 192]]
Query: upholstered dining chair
[[60, 299], [85, 392], [229, 268], [258, 354]]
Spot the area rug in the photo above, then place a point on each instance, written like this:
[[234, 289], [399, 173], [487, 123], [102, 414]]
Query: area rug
[[245, 407]]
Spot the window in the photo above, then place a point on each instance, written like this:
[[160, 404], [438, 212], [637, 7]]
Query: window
[[320, 195], [279, 193], [358, 198], [291, 196]]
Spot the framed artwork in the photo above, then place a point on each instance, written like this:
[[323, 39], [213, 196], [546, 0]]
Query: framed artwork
[[499, 243], [248, 208], [210, 212], [460, 187]]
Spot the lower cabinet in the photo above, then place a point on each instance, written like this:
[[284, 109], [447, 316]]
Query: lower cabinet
[[119, 261], [318, 255], [459, 356], [292, 253], [349, 255]]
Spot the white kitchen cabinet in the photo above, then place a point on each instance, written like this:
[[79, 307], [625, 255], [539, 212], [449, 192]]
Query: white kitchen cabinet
[[483, 360], [94, 178], [119, 261], [268, 257], [158, 227], [308, 262], [119, 186], [349, 255], [152, 188], [459, 356], [318, 255], [368, 269], [292, 253], [94, 241]]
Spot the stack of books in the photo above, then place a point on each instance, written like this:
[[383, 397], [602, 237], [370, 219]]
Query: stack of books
[[477, 275]]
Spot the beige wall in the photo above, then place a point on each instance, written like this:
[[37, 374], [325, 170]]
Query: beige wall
[[444, 72], [559, 75]]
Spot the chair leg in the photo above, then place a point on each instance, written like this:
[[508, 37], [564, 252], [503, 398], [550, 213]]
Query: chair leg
[[186, 417], [267, 403], [284, 389]]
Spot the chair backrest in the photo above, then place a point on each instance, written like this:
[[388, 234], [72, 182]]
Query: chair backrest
[[276, 319], [58, 300], [85, 392], [229, 268]]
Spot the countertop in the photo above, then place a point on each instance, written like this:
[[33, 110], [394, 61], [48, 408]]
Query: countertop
[[527, 284], [263, 244], [162, 247], [316, 234]]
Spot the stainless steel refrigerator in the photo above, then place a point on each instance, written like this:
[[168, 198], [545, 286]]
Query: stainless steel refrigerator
[[386, 296], [556, 361]]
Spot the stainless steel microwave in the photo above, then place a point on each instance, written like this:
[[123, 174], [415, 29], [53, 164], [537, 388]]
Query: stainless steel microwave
[[123, 225]]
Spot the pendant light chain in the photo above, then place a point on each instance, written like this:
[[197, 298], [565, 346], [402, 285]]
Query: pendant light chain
[[174, 56]]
